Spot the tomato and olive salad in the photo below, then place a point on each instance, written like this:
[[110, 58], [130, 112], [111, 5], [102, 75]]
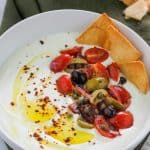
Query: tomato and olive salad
[[99, 104]]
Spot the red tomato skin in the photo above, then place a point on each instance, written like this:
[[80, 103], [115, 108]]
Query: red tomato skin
[[60, 63], [94, 55], [76, 50], [122, 120], [100, 70], [64, 85], [100, 121], [121, 94], [113, 71]]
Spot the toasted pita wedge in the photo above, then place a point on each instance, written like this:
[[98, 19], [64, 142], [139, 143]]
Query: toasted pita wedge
[[95, 34], [136, 73], [121, 49]]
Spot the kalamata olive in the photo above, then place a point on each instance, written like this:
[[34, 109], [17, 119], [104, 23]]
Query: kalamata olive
[[82, 101], [88, 112], [109, 111], [78, 77], [101, 106], [122, 80]]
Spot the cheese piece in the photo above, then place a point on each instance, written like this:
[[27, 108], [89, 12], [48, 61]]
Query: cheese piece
[[148, 4], [135, 72], [121, 49], [137, 10], [128, 2]]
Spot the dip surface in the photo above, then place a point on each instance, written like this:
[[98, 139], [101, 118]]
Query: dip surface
[[30, 102]]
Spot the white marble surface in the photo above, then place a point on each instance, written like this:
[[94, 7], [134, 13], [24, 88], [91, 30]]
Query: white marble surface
[[146, 146]]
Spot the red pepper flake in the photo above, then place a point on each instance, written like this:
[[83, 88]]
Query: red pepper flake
[[67, 140], [36, 134], [47, 56], [35, 89], [25, 68], [28, 106], [73, 129], [28, 92], [44, 86], [36, 110], [41, 146], [37, 68], [36, 93], [41, 42], [66, 45], [12, 103], [75, 134]]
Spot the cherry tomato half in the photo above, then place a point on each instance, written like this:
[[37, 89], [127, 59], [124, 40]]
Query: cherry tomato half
[[120, 94], [64, 85], [103, 127], [73, 51], [60, 63], [122, 120], [94, 55], [100, 70], [113, 71]]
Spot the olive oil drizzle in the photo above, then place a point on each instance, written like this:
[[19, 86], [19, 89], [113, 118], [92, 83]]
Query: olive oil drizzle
[[29, 107]]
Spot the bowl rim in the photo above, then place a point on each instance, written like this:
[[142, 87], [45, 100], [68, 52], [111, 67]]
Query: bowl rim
[[141, 134]]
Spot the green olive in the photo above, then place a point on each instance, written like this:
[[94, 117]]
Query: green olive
[[84, 124], [78, 61], [111, 101], [96, 83], [103, 82], [92, 84], [98, 96]]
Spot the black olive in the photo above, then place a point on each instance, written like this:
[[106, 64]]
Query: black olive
[[78, 77], [109, 111], [83, 101], [88, 112], [101, 106], [122, 80]]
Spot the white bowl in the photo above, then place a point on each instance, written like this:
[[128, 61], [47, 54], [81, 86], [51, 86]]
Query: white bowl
[[35, 27]]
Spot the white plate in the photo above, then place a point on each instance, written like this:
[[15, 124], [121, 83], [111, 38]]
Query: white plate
[[57, 21]]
